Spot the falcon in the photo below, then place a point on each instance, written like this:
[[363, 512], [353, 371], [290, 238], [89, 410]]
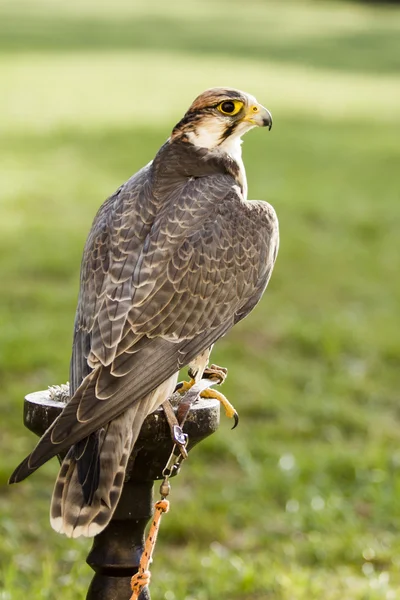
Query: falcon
[[175, 258]]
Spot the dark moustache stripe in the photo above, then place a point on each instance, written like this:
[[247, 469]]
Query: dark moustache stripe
[[228, 131]]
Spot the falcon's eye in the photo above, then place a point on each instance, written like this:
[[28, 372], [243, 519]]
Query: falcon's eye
[[230, 107]]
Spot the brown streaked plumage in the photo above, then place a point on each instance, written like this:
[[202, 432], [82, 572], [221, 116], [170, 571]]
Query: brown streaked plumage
[[174, 259]]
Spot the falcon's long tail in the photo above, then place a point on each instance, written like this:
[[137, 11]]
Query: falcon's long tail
[[72, 512]]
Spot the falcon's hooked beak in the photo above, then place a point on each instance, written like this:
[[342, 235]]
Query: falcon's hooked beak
[[258, 115]]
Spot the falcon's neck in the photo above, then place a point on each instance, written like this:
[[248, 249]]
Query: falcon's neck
[[193, 158], [233, 148]]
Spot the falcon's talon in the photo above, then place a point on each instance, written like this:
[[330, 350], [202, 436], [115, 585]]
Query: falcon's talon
[[192, 373]]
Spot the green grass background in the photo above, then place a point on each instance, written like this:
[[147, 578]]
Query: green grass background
[[302, 501]]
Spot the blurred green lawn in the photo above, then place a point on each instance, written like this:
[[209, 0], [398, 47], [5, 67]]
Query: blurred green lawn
[[301, 502]]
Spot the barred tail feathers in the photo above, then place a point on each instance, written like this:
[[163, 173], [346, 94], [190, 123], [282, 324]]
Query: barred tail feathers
[[69, 512]]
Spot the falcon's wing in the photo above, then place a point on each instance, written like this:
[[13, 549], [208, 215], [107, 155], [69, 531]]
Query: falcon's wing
[[161, 282]]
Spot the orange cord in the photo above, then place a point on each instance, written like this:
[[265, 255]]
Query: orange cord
[[142, 577]]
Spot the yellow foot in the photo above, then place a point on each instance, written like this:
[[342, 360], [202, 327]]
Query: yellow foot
[[183, 386], [230, 411], [214, 372]]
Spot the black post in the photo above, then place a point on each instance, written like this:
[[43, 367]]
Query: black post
[[116, 551]]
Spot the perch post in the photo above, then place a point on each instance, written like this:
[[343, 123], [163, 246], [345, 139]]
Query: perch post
[[116, 551]]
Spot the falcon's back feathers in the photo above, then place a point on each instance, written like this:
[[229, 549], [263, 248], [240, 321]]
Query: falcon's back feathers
[[174, 259]]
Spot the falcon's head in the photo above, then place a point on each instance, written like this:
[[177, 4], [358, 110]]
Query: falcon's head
[[219, 117]]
